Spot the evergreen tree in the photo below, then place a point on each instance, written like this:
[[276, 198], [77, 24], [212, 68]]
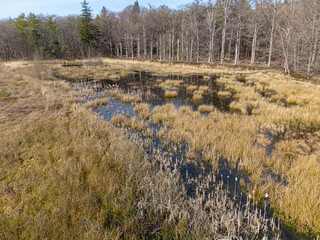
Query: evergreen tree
[[88, 32], [29, 28], [34, 34]]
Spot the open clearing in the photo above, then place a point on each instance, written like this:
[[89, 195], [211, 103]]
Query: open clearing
[[132, 149]]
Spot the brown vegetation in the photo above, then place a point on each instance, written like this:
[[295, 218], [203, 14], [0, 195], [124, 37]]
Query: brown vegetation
[[170, 94], [66, 173], [205, 108], [276, 112]]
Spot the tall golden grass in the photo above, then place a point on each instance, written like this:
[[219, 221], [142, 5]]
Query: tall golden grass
[[68, 174], [269, 102]]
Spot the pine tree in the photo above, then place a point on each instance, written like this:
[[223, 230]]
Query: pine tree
[[88, 32]]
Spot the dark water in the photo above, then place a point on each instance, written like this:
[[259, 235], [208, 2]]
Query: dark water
[[147, 85], [192, 171]]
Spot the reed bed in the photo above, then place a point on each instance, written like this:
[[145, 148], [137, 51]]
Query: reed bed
[[73, 174], [271, 104], [272, 137], [268, 105]]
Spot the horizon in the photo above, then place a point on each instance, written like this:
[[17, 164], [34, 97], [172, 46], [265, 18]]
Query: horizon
[[73, 7]]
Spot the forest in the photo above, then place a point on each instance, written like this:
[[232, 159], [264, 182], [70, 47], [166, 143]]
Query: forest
[[283, 34]]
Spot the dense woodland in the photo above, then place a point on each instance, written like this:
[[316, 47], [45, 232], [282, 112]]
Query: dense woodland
[[282, 34]]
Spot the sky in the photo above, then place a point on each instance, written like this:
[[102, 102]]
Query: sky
[[13, 8]]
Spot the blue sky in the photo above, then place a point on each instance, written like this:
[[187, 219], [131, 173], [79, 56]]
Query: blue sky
[[12, 8]]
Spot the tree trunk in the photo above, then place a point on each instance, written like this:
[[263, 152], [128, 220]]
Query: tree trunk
[[237, 51], [178, 50], [157, 43], [191, 50], [198, 46], [151, 47], [273, 26], [131, 46], [144, 43], [138, 44], [160, 46], [254, 45], [170, 46], [223, 36], [285, 53], [182, 43], [173, 39]]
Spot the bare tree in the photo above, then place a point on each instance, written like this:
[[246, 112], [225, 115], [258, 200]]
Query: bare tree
[[211, 20], [226, 7]]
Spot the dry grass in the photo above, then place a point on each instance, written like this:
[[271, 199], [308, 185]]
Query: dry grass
[[171, 94], [143, 109], [290, 112], [235, 137], [96, 103], [124, 97], [197, 95], [205, 108], [171, 84], [204, 88], [192, 88], [270, 103], [224, 94], [184, 69], [54, 157], [99, 72]]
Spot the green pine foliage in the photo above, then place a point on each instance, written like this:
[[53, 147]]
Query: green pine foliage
[[88, 32]]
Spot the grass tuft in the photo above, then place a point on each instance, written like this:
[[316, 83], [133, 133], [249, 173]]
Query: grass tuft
[[205, 108], [171, 94]]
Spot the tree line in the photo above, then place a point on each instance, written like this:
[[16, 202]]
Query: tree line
[[272, 32]]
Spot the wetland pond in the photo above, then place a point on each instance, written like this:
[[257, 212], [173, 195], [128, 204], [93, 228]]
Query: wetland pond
[[198, 176]]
